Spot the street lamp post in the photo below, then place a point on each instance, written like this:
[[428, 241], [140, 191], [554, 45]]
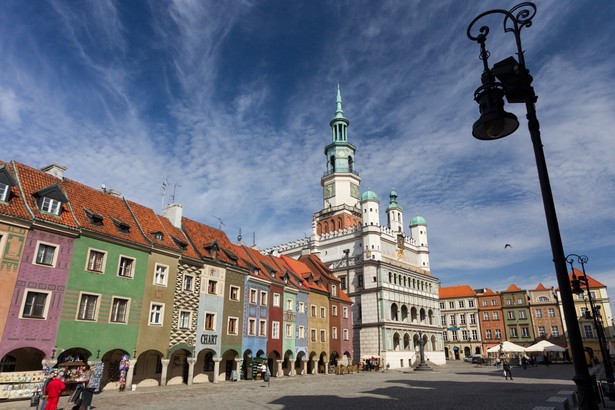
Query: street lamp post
[[494, 123], [595, 315]]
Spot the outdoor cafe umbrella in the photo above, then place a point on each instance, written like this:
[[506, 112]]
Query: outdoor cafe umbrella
[[507, 347], [545, 346]]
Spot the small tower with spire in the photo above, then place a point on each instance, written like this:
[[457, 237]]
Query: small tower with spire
[[395, 214]]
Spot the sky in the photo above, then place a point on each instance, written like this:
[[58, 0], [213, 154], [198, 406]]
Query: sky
[[230, 102]]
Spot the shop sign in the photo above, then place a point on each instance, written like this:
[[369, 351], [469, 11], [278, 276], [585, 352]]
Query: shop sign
[[209, 339]]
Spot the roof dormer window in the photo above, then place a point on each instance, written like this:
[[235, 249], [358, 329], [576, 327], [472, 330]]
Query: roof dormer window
[[93, 217], [182, 245], [50, 199], [6, 182], [121, 226], [159, 236]]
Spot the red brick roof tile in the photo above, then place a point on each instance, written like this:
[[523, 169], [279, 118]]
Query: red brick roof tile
[[460, 291], [15, 206]]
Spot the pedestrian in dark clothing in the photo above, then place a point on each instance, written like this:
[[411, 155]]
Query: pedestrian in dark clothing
[[507, 372]]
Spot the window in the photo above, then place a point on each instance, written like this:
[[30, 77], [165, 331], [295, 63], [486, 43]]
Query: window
[[253, 296], [126, 267], [301, 332], [252, 327], [464, 335], [554, 331], [543, 299], [360, 280], [51, 206], [187, 283], [301, 307], [445, 336], [276, 299], [474, 335], [323, 335], [160, 275], [234, 293], [87, 307], [508, 302], [184, 319], [541, 331], [345, 334], [442, 305], [451, 305], [519, 301], [263, 298], [289, 304], [454, 335], [232, 326], [525, 332], [96, 261], [538, 313], [35, 305], [462, 304], [522, 315], [343, 280], [212, 287], [472, 318], [313, 307], [494, 302], [262, 331], [155, 314], [470, 303], [484, 302], [334, 333], [313, 335], [345, 312], [551, 312], [288, 330], [453, 321], [496, 315], [46, 254], [488, 334], [443, 320], [462, 318], [323, 312], [210, 321], [511, 314], [485, 315], [275, 330], [513, 332], [119, 310], [333, 310], [589, 332], [334, 290], [498, 334], [4, 191]]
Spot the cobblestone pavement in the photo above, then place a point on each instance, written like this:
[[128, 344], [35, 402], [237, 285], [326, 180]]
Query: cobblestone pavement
[[457, 385]]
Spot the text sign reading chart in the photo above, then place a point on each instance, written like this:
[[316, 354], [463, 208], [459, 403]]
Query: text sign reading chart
[[209, 339]]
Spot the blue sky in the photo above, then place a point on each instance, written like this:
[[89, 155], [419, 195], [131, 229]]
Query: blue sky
[[231, 100]]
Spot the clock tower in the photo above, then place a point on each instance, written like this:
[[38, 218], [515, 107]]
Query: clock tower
[[340, 183]]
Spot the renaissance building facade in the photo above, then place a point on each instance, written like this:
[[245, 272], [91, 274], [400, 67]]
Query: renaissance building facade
[[383, 267]]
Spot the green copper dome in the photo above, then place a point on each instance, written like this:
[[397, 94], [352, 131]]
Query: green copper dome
[[393, 201], [369, 195], [418, 220]]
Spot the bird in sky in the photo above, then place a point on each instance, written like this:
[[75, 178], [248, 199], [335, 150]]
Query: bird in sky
[[507, 246]]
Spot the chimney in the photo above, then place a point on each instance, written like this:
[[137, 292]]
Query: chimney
[[173, 212], [55, 170]]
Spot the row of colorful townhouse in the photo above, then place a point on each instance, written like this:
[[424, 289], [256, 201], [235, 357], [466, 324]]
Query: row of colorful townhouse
[[89, 275]]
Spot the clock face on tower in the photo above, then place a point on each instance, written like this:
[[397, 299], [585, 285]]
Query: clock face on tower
[[355, 192], [329, 191]]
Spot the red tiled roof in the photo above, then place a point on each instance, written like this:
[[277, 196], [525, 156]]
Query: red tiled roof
[[456, 292], [31, 181], [114, 211], [305, 273], [315, 264], [15, 206], [487, 292], [593, 283], [513, 288], [540, 287], [209, 242]]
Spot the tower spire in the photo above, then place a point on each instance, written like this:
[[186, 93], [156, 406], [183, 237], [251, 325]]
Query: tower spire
[[338, 112]]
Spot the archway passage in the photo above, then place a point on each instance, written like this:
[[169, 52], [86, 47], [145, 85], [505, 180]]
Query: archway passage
[[322, 363], [300, 363], [22, 359], [204, 367], [311, 369], [228, 365], [272, 363], [286, 364], [114, 371], [247, 365], [148, 370], [177, 372]]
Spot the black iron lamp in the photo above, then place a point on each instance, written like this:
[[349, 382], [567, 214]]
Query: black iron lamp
[[514, 82]]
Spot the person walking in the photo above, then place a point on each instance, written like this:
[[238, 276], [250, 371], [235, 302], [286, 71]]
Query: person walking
[[507, 372], [53, 391]]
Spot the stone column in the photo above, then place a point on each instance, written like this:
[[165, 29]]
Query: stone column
[[314, 366], [278, 370], [326, 367], [191, 363], [238, 363], [217, 361], [304, 367], [130, 373], [163, 374], [292, 371]]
